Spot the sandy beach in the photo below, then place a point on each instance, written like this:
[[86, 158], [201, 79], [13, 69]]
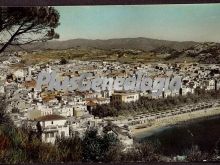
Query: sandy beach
[[142, 130]]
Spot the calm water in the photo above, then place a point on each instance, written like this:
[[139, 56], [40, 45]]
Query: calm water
[[177, 139]]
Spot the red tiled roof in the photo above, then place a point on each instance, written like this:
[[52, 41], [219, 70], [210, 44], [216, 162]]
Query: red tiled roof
[[91, 103]]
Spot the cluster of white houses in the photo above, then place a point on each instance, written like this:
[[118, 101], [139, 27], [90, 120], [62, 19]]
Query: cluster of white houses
[[66, 114]]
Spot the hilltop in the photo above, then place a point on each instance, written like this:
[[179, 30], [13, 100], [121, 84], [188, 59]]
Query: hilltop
[[207, 52], [145, 44], [128, 50]]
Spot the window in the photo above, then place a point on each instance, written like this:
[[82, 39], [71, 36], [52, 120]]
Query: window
[[46, 135], [52, 134], [62, 134]]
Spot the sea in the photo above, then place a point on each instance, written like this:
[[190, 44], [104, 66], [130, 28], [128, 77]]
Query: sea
[[177, 139]]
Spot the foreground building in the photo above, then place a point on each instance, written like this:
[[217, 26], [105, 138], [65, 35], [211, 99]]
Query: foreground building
[[53, 126]]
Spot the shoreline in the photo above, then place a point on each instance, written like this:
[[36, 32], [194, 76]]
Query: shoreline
[[144, 130]]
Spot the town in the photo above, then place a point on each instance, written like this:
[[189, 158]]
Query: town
[[67, 113]]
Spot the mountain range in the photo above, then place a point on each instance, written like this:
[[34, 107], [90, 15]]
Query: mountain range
[[145, 44]]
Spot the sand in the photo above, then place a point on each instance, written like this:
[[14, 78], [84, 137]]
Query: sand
[[172, 120]]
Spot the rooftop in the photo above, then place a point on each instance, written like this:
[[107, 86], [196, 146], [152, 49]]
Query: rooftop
[[51, 117]]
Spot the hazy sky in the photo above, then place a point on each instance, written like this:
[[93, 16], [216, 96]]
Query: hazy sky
[[171, 22]]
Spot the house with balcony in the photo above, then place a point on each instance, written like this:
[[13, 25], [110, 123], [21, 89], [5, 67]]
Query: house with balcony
[[53, 126]]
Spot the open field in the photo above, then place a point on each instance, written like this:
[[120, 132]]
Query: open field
[[88, 54]]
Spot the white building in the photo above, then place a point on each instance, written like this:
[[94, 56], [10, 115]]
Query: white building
[[125, 97], [53, 126], [67, 111]]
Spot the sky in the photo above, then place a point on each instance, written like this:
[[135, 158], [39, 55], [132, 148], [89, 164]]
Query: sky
[[193, 22]]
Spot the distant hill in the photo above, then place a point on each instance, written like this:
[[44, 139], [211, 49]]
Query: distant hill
[[164, 50], [207, 52], [145, 44]]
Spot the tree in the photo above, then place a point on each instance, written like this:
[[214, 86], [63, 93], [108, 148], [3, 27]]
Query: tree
[[39, 130], [99, 148], [14, 144], [25, 25], [63, 61], [111, 147], [196, 155], [4, 117], [149, 151], [70, 148], [92, 146]]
